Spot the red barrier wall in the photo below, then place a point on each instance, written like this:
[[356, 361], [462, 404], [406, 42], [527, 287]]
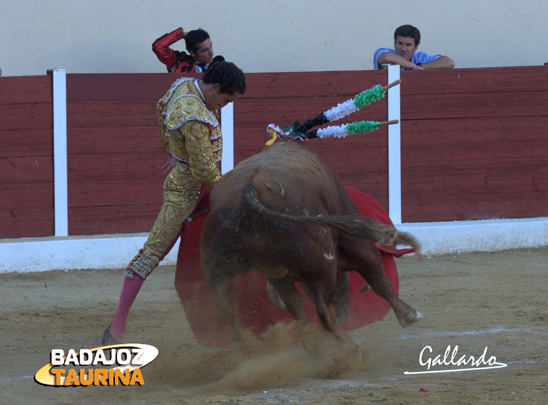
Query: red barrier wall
[[115, 156], [283, 98], [473, 143], [26, 157], [114, 152]]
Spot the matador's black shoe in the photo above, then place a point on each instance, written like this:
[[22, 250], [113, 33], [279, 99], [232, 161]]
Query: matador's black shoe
[[108, 339]]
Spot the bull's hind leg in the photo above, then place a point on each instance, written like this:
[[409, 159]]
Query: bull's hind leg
[[366, 260], [405, 313]]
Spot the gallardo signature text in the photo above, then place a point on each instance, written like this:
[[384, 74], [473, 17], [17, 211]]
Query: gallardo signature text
[[454, 361]]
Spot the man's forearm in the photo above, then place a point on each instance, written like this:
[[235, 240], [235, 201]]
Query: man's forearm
[[394, 59], [443, 62]]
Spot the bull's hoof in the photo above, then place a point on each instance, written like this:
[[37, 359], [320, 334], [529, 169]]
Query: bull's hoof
[[348, 359], [350, 352], [411, 317]]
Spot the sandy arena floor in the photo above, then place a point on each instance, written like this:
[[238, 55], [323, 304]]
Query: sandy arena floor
[[473, 301]]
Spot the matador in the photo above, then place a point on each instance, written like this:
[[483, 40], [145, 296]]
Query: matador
[[191, 134]]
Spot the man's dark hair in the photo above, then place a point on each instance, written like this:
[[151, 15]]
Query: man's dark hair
[[228, 75], [408, 31], [194, 38]]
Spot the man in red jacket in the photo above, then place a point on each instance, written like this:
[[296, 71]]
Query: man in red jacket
[[198, 45]]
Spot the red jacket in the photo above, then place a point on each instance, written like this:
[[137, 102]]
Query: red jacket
[[175, 61]]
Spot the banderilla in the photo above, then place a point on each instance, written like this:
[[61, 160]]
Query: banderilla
[[198, 214]]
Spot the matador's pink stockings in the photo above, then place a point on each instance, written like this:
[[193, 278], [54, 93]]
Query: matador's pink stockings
[[130, 289]]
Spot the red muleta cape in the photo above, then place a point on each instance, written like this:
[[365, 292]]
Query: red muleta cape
[[256, 311]]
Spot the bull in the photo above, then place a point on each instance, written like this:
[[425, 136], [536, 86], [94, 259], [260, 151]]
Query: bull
[[283, 213]]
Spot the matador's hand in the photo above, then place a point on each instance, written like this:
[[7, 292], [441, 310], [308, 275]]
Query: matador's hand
[[169, 165]]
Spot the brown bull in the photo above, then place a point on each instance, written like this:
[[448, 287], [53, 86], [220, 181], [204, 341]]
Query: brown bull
[[283, 213]]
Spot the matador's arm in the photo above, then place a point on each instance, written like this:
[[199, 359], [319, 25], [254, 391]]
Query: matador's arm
[[198, 146]]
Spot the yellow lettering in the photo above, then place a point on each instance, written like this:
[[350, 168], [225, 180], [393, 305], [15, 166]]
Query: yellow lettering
[[86, 379], [72, 378], [122, 376], [101, 377], [58, 373], [137, 377]]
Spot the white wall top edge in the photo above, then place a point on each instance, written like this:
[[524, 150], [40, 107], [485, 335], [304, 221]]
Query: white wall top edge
[[115, 251], [469, 223]]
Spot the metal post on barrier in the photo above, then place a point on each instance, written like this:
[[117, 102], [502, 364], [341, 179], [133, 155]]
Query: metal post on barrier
[[394, 147], [227, 128], [60, 166]]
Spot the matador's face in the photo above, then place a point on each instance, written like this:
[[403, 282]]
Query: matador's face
[[215, 99]]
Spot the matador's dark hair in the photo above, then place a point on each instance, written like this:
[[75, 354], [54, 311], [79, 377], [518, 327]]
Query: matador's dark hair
[[228, 75]]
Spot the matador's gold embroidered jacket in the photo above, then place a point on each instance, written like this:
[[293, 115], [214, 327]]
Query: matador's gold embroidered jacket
[[192, 134], [190, 131]]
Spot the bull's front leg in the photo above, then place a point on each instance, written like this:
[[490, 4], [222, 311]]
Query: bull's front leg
[[293, 302], [327, 314], [290, 297]]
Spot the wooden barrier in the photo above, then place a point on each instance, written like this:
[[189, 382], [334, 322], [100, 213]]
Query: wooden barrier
[[473, 144], [114, 152], [26, 157], [283, 98]]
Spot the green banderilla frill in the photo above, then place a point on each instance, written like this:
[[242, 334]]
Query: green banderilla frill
[[362, 126], [369, 96]]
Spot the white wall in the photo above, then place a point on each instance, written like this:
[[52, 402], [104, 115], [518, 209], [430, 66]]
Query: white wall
[[115, 36], [115, 251]]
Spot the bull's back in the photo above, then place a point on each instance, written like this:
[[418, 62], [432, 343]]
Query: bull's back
[[289, 176]]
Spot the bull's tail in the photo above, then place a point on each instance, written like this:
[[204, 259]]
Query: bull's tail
[[362, 227]]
